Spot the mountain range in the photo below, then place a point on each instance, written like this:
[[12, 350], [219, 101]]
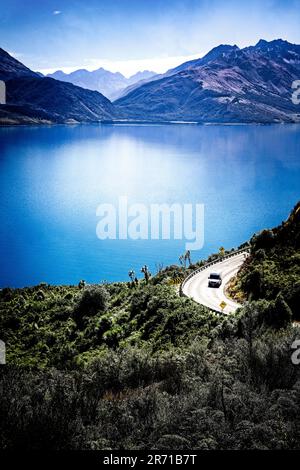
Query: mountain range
[[250, 85], [108, 83], [33, 99], [229, 84]]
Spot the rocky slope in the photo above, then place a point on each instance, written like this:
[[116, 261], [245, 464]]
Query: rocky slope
[[228, 85], [35, 99], [12, 68]]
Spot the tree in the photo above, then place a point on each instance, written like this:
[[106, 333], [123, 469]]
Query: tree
[[159, 267], [184, 258], [264, 239], [279, 314], [146, 272], [222, 251], [81, 284], [187, 257], [131, 274], [293, 299], [253, 284]]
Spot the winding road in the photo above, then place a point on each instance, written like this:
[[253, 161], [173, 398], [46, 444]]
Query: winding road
[[197, 288]]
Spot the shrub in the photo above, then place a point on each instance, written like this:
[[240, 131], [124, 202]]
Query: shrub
[[39, 296], [264, 240], [293, 299], [81, 284], [94, 299], [279, 314], [252, 284]]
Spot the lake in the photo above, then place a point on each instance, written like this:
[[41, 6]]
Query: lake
[[52, 179]]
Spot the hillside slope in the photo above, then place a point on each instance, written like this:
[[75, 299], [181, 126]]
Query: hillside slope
[[135, 366], [35, 99], [60, 101], [90, 319], [248, 85], [213, 54], [12, 68], [273, 269]]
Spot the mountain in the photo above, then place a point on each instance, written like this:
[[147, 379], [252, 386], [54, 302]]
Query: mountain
[[215, 52], [61, 102], [211, 55], [227, 85], [35, 99], [108, 83], [12, 68], [144, 75], [125, 91]]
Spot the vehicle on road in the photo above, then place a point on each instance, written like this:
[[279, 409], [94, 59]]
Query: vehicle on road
[[214, 280]]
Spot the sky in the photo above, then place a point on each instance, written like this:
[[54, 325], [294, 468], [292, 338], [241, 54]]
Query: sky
[[132, 35]]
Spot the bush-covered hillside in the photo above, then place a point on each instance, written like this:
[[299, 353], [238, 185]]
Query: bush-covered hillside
[[273, 269], [135, 366], [232, 393], [65, 327]]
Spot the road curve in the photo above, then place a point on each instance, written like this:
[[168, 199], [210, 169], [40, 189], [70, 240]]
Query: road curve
[[197, 286]]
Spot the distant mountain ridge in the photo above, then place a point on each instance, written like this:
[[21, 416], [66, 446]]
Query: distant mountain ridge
[[227, 85], [35, 99], [211, 55], [108, 83], [215, 52]]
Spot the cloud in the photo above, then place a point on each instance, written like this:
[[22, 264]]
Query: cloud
[[56, 12]]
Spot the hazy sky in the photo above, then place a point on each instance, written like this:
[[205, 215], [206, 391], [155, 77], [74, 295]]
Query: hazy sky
[[131, 35]]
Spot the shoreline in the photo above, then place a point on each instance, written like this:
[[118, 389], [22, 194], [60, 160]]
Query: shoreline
[[144, 123]]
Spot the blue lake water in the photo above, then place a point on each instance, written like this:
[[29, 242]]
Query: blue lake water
[[52, 179]]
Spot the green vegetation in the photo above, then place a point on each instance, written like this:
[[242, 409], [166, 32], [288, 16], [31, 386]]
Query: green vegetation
[[273, 269], [47, 326], [133, 365]]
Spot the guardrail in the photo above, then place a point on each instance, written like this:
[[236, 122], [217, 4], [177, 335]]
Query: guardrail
[[211, 263]]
